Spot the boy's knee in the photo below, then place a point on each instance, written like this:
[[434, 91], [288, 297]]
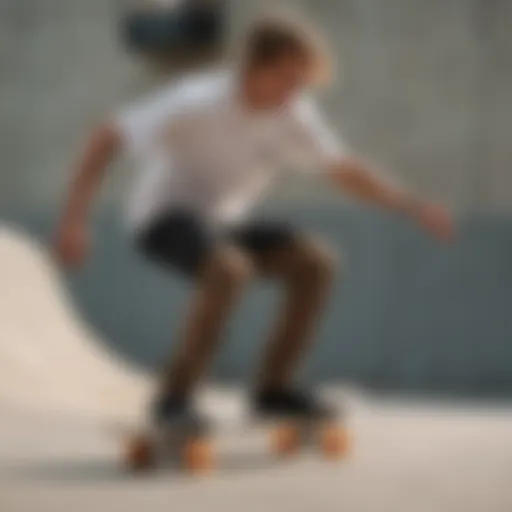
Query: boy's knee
[[317, 258], [230, 265]]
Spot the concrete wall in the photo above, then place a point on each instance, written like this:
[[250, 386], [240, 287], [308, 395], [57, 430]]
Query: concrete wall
[[426, 90]]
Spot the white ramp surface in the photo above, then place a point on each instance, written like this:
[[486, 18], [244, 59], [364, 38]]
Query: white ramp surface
[[48, 358], [58, 385]]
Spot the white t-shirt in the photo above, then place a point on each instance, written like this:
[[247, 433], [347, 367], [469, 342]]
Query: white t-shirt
[[202, 150]]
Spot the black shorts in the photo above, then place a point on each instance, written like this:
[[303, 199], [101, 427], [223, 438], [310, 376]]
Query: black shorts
[[181, 240]]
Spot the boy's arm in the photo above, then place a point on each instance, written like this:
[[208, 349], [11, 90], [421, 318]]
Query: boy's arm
[[313, 143], [71, 239], [133, 129], [358, 179], [101, 148]]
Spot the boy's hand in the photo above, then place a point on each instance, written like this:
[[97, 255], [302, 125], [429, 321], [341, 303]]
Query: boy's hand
[[71, 243], [357, 178], [436, 220]]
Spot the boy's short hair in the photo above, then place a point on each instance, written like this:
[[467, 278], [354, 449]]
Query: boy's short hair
[[272, 37]]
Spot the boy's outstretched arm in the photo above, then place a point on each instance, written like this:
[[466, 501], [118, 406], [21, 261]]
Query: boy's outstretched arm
[[71, 241], [356, 178]]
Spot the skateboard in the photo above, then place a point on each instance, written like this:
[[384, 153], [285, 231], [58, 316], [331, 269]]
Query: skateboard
[[191, 446]]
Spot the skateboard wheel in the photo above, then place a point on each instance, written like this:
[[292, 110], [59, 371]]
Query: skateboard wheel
[[334, 441], [285, 440], [198, 455], [139, 454]]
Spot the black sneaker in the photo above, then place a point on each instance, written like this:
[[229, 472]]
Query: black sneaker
[[169, 409], [290, 403]]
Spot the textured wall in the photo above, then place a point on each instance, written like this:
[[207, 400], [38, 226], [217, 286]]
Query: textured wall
[[426, 90]]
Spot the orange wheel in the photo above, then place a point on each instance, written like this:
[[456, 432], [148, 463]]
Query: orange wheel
[[139, 454], [198, 455], [285, 440], [335, 441]]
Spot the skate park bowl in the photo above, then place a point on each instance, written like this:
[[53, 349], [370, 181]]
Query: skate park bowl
[[416, 341]]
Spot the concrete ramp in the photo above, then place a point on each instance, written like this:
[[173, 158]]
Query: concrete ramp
[[51, 362], [48, 358]]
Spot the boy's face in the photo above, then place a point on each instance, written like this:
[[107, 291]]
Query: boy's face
[[279, 81]]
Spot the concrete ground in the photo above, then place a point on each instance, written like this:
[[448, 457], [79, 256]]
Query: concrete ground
[[405, 457], [61, 394]]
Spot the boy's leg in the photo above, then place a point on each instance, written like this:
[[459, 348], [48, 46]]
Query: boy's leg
[[222, 278], [181, 242], [306, 267]]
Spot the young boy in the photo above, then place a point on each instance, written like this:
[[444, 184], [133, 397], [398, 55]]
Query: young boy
[[211, 145]]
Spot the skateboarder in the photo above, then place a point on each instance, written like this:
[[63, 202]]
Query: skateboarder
[[211, 145]]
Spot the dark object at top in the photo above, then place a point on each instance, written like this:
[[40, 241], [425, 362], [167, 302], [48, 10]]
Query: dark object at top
[[176, 33]]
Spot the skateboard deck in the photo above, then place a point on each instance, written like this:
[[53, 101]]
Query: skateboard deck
[[192, 447]]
